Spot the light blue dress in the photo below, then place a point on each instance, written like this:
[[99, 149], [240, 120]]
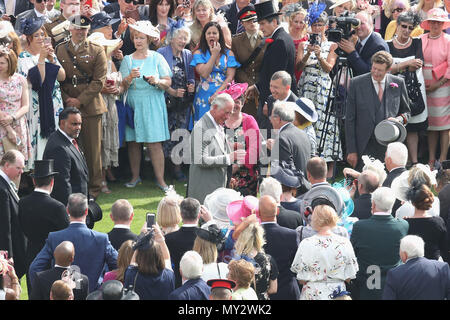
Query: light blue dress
[[207, 87], [148, 102]]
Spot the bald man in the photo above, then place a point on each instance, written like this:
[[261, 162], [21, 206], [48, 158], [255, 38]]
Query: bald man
[[281, 244], [64, 255], [368, 182]]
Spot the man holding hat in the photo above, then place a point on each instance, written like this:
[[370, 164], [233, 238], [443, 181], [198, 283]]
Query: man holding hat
[[279, 54], [57, 29], [248, 48], [85, 65], [40, 214]]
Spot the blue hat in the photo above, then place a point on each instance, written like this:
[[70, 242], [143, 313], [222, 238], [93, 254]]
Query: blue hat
[[28, 26], [102, 19], [286, 174]]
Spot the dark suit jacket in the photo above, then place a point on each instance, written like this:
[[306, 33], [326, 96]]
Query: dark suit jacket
[[361, 62], [363, 207], [418, 279], [178, 243], [194, 289], [21, 6], [92, 251], [264, 121], [117, 236], [362, 105], [230, 11], [40, 214], [392, 175], [293, 146], [12, 238], [376, 242], [282, 244], [289, 219], [43, 282], [73, 174], [279, 55]]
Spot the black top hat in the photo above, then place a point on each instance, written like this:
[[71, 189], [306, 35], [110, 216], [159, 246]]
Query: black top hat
[[266, 10], [95, 214], [43, 168], [388, 131], [247, 13], [112, 290], [80, 21], [102, 19]]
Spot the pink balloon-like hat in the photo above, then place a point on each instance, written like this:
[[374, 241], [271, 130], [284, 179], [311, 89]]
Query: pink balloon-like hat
[[239, 209], [235, 90]]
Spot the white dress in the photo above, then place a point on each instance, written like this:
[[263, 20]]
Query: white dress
[[407, 209], [324, 262]]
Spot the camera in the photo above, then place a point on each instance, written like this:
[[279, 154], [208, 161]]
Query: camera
[[344, 29], [314, 39]]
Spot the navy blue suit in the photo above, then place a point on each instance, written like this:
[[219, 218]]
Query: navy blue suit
[[418, 279], [282, 244], [194, 289], [92, 251], [361, 62]]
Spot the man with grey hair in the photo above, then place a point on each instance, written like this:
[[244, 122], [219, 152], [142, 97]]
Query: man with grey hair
[[280, 89], [194, 287], [92, 248], [210, 152], [368, 181], [418, 278], [122, 215], [291, 144], [376, 242], [395, 161]]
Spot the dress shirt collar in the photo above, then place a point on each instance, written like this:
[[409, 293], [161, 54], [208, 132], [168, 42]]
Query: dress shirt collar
[[121, 226], [58, 266], [38, 14], [254, 35], [364, 41], [218, 127], [189, 225], [381, 213], [283, 126], [77, 222], [41, 190], [5, 176], [269, 222], [65, 135], [396, 168], [279, 27], [375, 83]]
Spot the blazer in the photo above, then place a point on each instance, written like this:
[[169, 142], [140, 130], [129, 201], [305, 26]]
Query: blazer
[[43, 282], [281, 244], [230, 11], [363, 207], [392, 175], [418, 279], [279, 55], [92, 251], [289, 218], [362, 103], [40, 214], [117, 236], [292, 146], [21, 6], [194, 289], [73, 174], [178, 243], [263, 120], [12, 238], [361, 63], [209, 159], [376, 241], [167, 53]]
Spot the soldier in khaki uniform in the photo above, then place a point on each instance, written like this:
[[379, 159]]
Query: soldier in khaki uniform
[[243, 45], [68, 8], [85, 65]]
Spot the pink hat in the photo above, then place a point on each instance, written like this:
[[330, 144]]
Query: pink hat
[[239, 209], [235, 90], [436, 14]]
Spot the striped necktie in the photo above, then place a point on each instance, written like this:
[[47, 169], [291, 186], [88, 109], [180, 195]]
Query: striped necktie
[[240, 27]]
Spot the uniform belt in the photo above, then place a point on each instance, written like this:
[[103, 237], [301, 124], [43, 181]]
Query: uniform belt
[[78, 80]]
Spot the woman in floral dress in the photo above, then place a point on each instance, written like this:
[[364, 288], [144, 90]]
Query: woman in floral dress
[[216, 66]]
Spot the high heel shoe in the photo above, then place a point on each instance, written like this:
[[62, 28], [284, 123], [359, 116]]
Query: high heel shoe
[[105, 188], [164, 189], [133, 184]]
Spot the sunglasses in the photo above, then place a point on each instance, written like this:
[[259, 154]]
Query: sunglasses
[[398, 10], [40, 1], [134, 2], [404, 26]]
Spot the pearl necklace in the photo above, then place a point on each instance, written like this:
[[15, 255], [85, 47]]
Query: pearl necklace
[[436, 37], [402, 44]]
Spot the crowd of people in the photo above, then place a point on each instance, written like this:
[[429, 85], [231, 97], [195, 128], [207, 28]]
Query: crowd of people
[[254, 105]]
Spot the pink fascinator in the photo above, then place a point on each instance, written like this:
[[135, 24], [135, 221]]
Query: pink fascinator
[[235, 90]]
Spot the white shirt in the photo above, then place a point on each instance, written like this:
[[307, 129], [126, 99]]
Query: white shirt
[[41, 190], [275, 31], [363, 42], [381, 213], [68, 138], [5, 177], [10, 7], [221, 131], [121, 226], [189, 225], [375, 83]]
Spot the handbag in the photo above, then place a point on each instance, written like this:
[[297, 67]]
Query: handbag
[[8, 144], [417, 104]]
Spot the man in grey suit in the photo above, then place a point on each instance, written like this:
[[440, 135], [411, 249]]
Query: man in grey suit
[[210, 152], [39, 12], [372, 98], [19, 7]]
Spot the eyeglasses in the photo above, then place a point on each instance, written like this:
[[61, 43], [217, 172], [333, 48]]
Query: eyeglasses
[[318, 25], [398, 10], [40, 1], [404, 26]]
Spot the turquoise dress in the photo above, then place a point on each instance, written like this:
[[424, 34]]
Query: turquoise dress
[[148, 102], [207, 87]]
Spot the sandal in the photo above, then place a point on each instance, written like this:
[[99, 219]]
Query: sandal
[[105, 188]]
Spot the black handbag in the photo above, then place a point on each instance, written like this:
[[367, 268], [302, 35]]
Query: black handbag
[[417, 104]]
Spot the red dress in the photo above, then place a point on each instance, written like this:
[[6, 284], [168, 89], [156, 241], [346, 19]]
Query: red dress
[[298, 73]]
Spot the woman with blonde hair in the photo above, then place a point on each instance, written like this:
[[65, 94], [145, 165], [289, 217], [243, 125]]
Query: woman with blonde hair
[[123, 261], [297, 28], [398, 7], [249, 246], [168, 214], [325, 261], [423, 6]]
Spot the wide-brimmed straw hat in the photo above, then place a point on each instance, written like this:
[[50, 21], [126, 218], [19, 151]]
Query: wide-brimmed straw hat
[[146, 27], [99, 38], [306, 108], [338, 3], [217, 202], [436, 14]]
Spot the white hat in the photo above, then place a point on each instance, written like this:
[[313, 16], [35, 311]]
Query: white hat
[[400, 185], [339, 2], [146, 27], [99, 38], [5, 28], [306, 108], [217, 203]]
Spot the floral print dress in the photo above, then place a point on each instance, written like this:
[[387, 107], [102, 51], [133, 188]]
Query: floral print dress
[[324, 262], [207, 87]]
